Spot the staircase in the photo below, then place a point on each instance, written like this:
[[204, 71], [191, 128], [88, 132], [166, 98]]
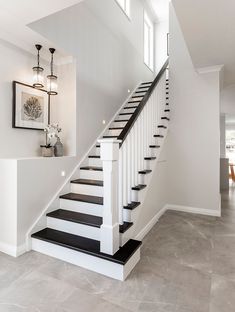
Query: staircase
[[93, 227]]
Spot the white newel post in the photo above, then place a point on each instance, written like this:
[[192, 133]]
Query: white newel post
[[109, 238]]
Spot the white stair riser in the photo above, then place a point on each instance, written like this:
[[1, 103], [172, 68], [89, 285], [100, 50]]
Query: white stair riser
[[87, 189], [154, 152], [148, 164], [144, 89], [132, 105], [139, 98], [158, 141], [74, 228], [129, 110], [91, 174], [83, 230], [123, 117], [119, 124], [125, 237], [96, 162], [135, 195], [86, 261], [141, 178], [130, 215], [161, 131], [96, 151], [115, 132], [87, 208], [140, 94]]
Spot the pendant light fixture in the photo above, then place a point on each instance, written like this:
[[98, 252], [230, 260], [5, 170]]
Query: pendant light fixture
[[38, 79], [52, 79]]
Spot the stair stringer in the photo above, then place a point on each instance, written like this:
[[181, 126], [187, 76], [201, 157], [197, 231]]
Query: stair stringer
[[135, 214], [41, 221]]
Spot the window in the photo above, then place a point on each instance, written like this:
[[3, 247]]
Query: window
[[125, 5], [148, 41]]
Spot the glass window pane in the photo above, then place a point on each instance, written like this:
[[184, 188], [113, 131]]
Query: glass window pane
[[148, 41]]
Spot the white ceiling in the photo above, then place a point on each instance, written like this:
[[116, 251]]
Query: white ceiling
[[209, 30], [29, 11], [160, 8], [15, 15]]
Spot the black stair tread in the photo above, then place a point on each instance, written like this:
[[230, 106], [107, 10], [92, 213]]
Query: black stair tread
[[167, 98], [110, 136], [165, 118], [167, 110], [130, 107], [144, 83], [158, 136], [86, 245], [94, 156], [85, 219], [134, 102], [140, 92], [76, 217], [167, 92], [154, 146], [132, 205], [120, 120], [145, 171], [139, 187], [83, 198], [88, 182], [137, 96], [92, 168], [161, 126], [167, 103], [150, 158], [125, 226], [116, 128], [98, 146], [124, 114]]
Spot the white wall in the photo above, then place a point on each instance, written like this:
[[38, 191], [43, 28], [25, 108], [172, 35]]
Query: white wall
[[228, 100], [8, 202], [17, 65], [27, 187], [194, 138], [64, 108], [108, 48], [222, 136]]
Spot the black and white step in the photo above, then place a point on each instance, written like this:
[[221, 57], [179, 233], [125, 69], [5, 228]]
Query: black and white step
[[85, 252]]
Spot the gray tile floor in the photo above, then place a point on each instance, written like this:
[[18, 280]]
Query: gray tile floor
[[187, 265]]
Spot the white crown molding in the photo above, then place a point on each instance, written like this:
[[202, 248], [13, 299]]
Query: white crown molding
[[210, 69]]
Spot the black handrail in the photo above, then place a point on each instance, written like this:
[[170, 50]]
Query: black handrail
[[122, 136]]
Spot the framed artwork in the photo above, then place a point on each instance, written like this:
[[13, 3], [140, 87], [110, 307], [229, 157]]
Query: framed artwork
[[31, 107]]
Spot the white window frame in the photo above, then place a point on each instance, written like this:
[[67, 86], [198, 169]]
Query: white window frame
[[148, 42], [125, 6]]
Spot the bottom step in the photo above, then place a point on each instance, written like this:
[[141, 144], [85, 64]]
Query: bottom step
[[85, 252]]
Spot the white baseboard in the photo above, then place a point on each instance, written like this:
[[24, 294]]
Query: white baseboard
[[151, 224], [12, 250], [21, 250], [195, 210]]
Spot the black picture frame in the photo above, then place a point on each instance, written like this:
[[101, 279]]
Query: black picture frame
[[15, 85]]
